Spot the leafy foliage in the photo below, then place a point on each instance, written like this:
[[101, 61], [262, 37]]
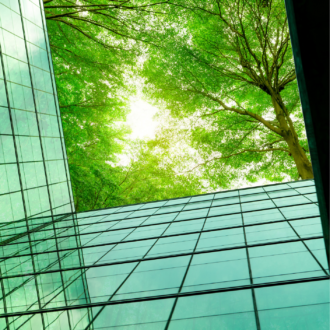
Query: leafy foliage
[[220, 71], [228, 67]]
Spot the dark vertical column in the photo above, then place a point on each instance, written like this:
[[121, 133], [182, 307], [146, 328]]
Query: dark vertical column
[[308, 23]]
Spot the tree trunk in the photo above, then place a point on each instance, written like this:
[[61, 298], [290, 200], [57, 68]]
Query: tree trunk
[[303, 164]]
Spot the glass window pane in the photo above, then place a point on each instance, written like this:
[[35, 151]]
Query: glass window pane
[[174, 245], [300, 211], [280, 262], [224, 221], [185, 227], [155, 277], [220, 239], [254, 206], [236, 208], [147, 315], [269, 233], [227, 310], [187, 215], [296, 306], [262, 216], [217, 270]]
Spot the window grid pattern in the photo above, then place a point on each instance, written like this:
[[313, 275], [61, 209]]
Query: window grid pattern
[[34, 177], [242, 259]]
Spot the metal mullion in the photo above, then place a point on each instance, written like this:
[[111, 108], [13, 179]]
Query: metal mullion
[[65, 159], [168, 296], [138, 263], [121, 206], [16, 154], [302, 240], [90, 312], [81, 262], [155, 237], [29, 161], [255, 307], [187, 269], [43, 158], [83, 271], [184, 234], [160, 257], [307, 193], [4, 300]]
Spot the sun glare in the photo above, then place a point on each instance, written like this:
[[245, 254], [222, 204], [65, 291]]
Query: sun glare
[[141, 120]]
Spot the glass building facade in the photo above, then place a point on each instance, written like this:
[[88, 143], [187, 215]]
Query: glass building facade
[[34, 177], [245, 259], [242, 259]]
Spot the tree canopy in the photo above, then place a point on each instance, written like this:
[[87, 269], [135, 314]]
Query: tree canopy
[[220, 71]]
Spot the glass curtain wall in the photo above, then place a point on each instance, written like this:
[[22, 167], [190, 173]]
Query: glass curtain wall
[[34, 176], [244, 259]]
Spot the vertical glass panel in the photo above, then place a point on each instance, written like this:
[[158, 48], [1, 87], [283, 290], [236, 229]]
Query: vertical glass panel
[[301, 306], [288, 201], [37, 200], [217, 270], [3, 95], [5, 127], [146, 315], [308, 227], [224, 221], [20, 97], [9, 180], [59, 194], [38, 57], [155, 277], [222, 210], [185, 227], [201, 198], [187, 215], [301, 211], [7, 150], [262, 216], [52, 148], [49, 126], [220, 239], [317, 247], [16, 71], [55, 171], [28, 148], [34, 34], [227, 310], [31, 12], [25, 123], [128, 251], [280, 262], [160, 218], [45, 103], [12, 45], [174, 245], [270, 233], [226, 194], [11, 206], [41, 80], [12, 4], [33, 175], [260, 205]]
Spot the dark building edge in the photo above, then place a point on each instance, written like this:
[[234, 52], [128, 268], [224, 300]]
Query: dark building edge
[[309, 31]]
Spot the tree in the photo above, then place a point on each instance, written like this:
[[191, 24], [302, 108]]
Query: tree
[[93, 44], [228, 66]]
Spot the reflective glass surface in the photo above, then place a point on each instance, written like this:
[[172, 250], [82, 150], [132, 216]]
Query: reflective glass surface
[[245, 260]]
